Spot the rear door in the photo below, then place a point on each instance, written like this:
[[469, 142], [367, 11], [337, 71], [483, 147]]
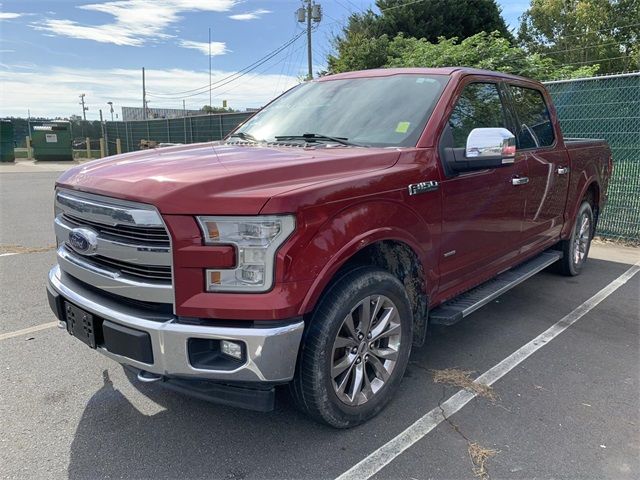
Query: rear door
[[482, 210], [547, 165]]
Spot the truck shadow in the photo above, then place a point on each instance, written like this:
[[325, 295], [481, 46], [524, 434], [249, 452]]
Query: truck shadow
[[188, 439]]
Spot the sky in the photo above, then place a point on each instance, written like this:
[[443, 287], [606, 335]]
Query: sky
[[51, 51]]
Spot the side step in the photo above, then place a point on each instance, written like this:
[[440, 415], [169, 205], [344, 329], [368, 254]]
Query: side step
[[465, 304]]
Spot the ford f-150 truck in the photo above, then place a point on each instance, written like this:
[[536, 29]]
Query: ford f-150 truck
[[320, 240]]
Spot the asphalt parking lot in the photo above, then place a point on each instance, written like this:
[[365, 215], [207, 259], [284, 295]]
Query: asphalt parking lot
[[569, 410]]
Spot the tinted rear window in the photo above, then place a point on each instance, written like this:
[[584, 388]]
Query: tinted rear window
[[534, 127]]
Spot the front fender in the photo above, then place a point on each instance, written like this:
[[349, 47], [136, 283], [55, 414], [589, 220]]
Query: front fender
[[353, 228]]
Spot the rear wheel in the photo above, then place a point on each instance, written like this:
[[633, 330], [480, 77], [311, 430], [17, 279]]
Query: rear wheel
[[355, 350], [576, 248]]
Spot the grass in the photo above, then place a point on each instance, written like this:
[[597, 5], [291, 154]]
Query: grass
[[462, 379], [479, 456], [455, 377], [21, 249]]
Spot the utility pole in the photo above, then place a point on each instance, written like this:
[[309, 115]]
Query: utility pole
[[104, 143], [84, 109], [210, 68], [144, 97], [184, 119], [310, 11]]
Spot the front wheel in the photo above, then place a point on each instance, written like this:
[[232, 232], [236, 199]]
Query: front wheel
[[355, 350], [576, 248]]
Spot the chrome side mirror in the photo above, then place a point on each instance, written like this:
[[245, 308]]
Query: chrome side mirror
[[490, 144]]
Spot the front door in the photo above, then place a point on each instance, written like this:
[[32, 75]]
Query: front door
[[482, 210]]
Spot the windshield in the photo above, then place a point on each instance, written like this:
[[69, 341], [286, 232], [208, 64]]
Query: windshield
[[375, 111]]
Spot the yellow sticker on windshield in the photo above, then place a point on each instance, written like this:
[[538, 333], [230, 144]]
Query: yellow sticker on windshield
[[402, 127]]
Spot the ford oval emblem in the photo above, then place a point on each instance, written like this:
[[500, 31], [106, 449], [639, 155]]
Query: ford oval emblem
[[83, 240]]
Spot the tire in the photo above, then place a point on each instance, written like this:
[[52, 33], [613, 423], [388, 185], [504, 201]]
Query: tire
[[576, 249], [342, 381]]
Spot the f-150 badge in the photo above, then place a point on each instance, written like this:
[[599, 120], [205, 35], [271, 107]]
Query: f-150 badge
[[422, 187]]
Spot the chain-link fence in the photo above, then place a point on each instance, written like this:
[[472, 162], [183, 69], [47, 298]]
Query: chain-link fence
[[145, 133], [608, 107]]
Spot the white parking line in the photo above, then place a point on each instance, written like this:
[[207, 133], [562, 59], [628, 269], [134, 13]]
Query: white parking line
[[8, 254], [384, 455], [24, 331]]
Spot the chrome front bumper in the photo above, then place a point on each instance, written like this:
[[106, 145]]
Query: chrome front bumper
[[271, 352]]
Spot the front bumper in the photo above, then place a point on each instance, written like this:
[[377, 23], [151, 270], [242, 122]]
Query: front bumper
[[271, 352]]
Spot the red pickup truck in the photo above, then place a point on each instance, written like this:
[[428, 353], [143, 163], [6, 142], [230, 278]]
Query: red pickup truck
[[318, 242]]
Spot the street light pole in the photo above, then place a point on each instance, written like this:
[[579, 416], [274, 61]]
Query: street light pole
[[144, 97], [111, 109]]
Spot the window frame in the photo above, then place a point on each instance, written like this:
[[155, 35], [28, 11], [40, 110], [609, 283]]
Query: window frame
[[516, 119], [505, 101]]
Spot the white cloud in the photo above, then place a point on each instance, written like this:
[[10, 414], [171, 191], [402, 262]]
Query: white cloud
[[9, 15], [217, 48], [250, 15], [135, 22], [54, 91]]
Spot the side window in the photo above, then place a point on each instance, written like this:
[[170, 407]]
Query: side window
[[534, 127], [479, 106]]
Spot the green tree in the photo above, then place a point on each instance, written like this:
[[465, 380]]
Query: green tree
[[209, 109], [484, 50], [428, 19], [583, 32]]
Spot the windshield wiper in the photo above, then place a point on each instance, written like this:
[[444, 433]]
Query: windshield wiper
[[244, 136], [316, 137]]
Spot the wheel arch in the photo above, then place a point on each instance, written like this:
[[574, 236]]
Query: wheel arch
[[396, 254], [588, 188]]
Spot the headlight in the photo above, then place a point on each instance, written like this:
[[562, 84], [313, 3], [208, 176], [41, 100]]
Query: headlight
[[256, 240]]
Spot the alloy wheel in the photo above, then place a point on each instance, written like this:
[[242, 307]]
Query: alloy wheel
[[581, 240], [365, 350]]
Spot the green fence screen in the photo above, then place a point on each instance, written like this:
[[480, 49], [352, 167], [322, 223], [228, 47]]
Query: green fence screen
[[203, 128], [608, 107]]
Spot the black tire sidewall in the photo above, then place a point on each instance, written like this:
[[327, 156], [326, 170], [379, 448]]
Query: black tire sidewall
[[329, 315]]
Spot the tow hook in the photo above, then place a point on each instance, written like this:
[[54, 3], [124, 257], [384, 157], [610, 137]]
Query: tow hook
[[148, 377]]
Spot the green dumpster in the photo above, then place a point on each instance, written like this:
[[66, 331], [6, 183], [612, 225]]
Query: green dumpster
[[7, 153], [51, 141]]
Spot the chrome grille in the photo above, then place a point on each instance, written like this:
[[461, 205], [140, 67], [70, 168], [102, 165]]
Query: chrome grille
[[141, 271], [141, 235], [130, 252]]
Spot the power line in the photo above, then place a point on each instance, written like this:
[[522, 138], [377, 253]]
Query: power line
[[343, 6], [400, 6], [599, 60], [237, 74], [259, 72], [354, 5], [247, 68], [220, 83], [287, 56], [607, 29]]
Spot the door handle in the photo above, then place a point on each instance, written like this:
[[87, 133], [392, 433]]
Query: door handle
[[519, 180], [562, 170]]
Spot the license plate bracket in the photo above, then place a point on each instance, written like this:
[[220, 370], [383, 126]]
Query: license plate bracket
[[80, 324]]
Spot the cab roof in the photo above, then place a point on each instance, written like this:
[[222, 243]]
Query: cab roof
[[450, 71]]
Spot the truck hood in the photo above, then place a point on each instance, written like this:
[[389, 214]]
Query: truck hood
[[217, 178]]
